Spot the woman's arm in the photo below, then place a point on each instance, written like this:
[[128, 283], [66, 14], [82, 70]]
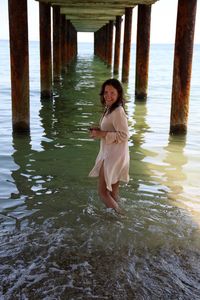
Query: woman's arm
[[97, 133], [120, 123]]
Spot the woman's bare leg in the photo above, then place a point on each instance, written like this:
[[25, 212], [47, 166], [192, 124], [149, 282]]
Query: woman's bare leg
[[115, 191], [105, 193]]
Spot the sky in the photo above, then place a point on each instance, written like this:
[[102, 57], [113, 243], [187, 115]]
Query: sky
[[163, 22]]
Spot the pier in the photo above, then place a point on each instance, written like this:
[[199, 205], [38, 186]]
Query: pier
[[103, 18]]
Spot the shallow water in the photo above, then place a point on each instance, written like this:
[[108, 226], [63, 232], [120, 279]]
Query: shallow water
[[57, 239]]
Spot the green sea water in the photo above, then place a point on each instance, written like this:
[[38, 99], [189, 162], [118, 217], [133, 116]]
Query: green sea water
[[58, 241]]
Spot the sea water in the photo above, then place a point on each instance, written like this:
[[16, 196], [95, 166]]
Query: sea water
[[57, 239]]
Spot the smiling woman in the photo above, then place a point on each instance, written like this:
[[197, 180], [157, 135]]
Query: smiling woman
[[112, 163]]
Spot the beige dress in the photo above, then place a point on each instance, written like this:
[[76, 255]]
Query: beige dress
[[114, 151]]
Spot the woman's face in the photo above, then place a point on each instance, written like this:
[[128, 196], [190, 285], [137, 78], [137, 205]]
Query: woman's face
[[110, 95]]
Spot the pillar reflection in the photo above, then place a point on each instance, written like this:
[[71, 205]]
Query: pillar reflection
[[175, 160], [138, 168], [22, 157]]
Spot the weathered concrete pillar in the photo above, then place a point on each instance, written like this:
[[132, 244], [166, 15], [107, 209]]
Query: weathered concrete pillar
[[63, 42], [74, 35], [72, 44], [69, 42], [182, 65], [97, 34], [101, 43], [106, 42], [127, 44], [117, 43], [66, 43], [45, 50], [19, 57], [110, 42], [95, 43], [75, 42], [56, 43], [142, 51], [103, 39]]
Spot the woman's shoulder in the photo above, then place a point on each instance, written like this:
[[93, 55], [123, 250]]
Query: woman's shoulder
[[119, 110]]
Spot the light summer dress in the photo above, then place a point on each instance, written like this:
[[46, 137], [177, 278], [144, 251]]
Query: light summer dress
[[114, 151]]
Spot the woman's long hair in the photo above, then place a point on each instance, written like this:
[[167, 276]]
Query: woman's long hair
[[120, 100]]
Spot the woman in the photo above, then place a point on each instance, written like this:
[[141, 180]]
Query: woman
[[112, 162]]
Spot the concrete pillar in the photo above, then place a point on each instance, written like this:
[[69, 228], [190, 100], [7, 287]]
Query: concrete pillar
[[98, 49], [56, 43], [110, 42], [66, 43], [127, 44], [97, 34], [74, 42], [19, 57], [117, 44], [182, 65], [69, 43], [63, 42], [142, 51], [45, 50], [95, 43], [103, 46], [106, 42], [101, 43]]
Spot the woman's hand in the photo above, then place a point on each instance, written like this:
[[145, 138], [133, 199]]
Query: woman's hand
[[97, 133]]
